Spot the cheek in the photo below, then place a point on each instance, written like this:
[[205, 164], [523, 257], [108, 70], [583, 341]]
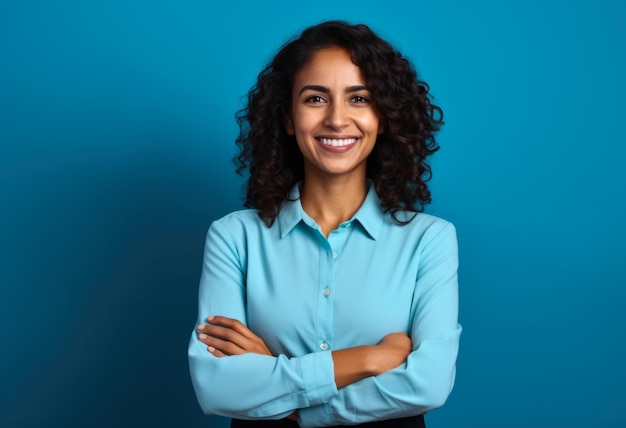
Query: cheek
[[303, 124], [371, 124]]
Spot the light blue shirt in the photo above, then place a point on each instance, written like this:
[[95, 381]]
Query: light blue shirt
[[307, 295]]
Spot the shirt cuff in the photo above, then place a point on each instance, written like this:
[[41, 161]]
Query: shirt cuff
[[318, 375], [318, 416], [321, 371]]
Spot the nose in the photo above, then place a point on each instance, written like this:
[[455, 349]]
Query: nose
[[336, 116]]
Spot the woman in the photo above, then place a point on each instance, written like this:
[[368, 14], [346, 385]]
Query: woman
[[334, 300]]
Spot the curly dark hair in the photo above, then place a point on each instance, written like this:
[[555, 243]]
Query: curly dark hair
[[397, 165]]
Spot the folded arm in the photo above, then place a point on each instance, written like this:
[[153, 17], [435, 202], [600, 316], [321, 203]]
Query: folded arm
[[234, 372], [227, 337], [425, 381], [236, 375]]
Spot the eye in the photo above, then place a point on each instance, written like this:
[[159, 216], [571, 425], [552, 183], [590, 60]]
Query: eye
[[314, 99], [359, 99]]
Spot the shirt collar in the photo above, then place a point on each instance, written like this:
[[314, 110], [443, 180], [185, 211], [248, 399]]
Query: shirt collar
[[370, 215], [291, 213]]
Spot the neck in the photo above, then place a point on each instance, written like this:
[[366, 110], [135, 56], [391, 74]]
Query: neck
[[332, 202]]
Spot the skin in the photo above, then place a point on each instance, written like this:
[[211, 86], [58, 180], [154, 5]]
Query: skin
[[330, 101]]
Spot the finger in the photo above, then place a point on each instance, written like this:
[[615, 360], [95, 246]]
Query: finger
[[227, 348], [204, 338], [232, 330], [233, 324], [216, 352], [255, 344], [226, 334]]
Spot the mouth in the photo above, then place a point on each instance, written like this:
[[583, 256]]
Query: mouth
[[337, 142]]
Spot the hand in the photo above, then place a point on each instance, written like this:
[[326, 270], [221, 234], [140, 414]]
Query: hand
[[392, 351], [227, 336]]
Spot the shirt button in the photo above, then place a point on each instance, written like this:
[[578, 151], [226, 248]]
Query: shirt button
[[335, 255], [326, 292], [324, 346]]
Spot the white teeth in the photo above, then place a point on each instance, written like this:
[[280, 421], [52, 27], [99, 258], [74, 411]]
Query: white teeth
[[337, 142]]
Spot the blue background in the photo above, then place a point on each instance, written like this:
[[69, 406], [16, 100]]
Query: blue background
[[116, 131]]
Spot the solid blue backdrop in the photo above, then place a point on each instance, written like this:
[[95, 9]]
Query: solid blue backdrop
[[116, 133]]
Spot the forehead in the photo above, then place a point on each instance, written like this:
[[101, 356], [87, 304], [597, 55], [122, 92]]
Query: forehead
[[327, 66]]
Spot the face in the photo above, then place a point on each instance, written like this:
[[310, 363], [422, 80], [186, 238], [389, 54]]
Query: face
[[332, 116]]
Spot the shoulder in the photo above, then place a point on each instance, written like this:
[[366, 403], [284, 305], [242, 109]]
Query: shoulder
[[418, 222], [237, 224], [438, 239], [432, 223], [421, 229], [248, 217], [231, 233]]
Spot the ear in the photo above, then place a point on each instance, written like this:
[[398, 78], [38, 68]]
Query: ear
[[289, 126], [381, 127]]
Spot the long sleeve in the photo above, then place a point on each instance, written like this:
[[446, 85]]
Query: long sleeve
[[248, 386], [426, 379]]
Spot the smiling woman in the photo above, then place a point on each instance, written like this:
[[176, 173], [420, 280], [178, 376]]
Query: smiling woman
[[334, 300]]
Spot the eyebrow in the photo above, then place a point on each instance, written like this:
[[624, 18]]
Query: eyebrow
[[325, 90]]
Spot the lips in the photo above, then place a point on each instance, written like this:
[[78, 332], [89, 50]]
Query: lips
[[337, 142]]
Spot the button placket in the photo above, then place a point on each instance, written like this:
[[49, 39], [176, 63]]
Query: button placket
[[332, 247], [325, 307]]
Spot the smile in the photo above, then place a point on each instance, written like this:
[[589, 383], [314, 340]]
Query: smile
[[337, 142]]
